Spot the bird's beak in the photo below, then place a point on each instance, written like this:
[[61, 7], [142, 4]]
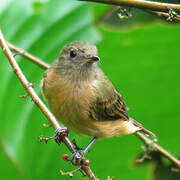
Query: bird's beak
[[92, 58]]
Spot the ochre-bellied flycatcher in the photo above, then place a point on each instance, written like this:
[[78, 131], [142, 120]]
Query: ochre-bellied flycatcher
[[81, 96]]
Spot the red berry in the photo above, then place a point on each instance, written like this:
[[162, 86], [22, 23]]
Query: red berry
[[86, 163], [65, 157]]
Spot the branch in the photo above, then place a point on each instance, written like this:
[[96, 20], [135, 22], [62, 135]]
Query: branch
[[141, 4], [27, 55], [28, 86], [155, 147]]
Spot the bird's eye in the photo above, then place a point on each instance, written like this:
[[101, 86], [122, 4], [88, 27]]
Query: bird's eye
[[72, 53]]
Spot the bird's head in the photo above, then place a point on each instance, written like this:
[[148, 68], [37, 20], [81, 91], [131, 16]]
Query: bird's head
[[78, 55]]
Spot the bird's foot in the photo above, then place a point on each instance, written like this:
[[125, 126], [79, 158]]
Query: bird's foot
[[59, 135], [78, 159]]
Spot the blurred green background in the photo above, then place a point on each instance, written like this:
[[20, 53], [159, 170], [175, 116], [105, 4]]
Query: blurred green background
[[140, 55]]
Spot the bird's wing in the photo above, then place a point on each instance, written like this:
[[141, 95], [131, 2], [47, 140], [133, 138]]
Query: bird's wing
[[108, 104]]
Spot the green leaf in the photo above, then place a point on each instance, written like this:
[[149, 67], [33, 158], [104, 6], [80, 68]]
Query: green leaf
[[42, 29]]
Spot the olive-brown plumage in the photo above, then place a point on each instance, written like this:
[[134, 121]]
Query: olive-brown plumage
[[81, 96]]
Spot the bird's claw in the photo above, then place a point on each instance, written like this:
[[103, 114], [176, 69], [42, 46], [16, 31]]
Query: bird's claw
[[60, 134], [77, 157]]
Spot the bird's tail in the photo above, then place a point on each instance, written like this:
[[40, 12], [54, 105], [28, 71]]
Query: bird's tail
[[142, 129]]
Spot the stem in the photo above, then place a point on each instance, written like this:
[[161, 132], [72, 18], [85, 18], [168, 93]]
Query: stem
[[36, 99], [27, 55], [158, 148], [147, 5]]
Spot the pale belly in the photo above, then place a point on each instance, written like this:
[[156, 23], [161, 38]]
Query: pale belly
[[77, 119], [71, 106], [74, 115]]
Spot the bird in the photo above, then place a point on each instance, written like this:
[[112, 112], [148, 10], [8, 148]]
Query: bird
[[82, 97]]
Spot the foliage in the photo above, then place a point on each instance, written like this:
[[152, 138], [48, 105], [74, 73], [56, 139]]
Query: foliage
[[142, 62]]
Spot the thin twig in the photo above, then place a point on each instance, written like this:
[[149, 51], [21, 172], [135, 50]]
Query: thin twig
[[142, 4], [38, 101], [156, 147], [27, 55], [162, 15]]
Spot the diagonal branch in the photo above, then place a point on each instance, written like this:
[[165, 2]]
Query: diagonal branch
[[141, 4], [156, 147], [27, 55], [37, 100]]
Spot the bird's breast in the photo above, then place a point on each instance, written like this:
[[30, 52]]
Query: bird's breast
[[69, 101]]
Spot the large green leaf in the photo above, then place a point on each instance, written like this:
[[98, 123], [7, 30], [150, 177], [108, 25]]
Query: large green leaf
[[42, 28]]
